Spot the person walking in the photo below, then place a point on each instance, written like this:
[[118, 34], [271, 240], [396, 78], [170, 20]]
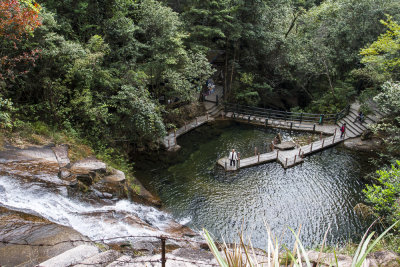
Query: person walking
[[343, 130], [233, 157]]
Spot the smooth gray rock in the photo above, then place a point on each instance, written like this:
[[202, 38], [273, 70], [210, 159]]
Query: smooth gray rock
[[89, 165], [117, 176], [286, 145], [101, 259], [71, 257], [154, 261], [61, 153], [19, 227]]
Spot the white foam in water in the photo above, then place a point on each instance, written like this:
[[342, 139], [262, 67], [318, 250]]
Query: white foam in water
[[99, 222]]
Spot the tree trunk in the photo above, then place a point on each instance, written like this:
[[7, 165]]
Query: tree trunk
[[233, 67], [329, 78], [226, 72]]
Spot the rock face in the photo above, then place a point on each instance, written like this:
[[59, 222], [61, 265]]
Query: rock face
[[287, 145], [367, 145], [71, 257], [20, 228], [377, 259]]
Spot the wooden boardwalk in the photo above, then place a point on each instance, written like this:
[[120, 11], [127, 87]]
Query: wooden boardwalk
[[288, 158], [169, 141]]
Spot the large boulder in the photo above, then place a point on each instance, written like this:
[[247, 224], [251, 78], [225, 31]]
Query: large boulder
[[88, 170], [20, 228]]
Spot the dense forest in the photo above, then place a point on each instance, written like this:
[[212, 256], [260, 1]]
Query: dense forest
[[102, 70]]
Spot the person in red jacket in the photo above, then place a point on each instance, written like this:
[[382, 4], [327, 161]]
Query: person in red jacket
[[343, 130]]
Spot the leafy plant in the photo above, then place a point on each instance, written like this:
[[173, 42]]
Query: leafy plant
[[239, 254]]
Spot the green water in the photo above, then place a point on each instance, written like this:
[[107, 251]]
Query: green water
[[319, 193]]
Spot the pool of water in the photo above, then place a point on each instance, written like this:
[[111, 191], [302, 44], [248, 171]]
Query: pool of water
[[317, 194]]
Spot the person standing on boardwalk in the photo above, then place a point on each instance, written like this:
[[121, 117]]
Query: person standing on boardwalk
[[343, 130], [233, 157]]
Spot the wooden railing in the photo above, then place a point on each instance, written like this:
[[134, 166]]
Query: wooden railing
[[285, 115]]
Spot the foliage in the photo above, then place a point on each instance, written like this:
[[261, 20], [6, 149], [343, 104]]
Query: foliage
[[331, 104], [385, 195], [384, 53], [240, 254], [6, 110], [18, 20], [389, 98], [137, 116]]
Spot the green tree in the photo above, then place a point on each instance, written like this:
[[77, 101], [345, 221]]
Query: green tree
[[385, 196], [384, 54]]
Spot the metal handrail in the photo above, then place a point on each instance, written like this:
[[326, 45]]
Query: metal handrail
[[285, 115]]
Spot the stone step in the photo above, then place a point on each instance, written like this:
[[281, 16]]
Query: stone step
[[354, 125], [101, 259], [71, 257], [350, 131], [354, 114]]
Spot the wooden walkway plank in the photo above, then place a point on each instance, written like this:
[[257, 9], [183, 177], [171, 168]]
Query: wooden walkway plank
[[287, 158], [169, 141]]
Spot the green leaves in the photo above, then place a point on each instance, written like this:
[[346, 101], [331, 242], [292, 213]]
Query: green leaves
[[384, 53], [385, 194]]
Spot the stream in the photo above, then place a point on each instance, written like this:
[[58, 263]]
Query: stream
[[315, 195]]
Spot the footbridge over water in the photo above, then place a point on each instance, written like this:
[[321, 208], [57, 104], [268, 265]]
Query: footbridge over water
[[327, 126]]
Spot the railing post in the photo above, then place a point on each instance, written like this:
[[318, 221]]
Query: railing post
[[266, 122], [299, 152], [302, 155], [277, 153], [301, 117], [295, 157], [249, 118], [207, 116], [226, 165], [185, 125], [333, 141], [286, 163], [314, 128], [323, 141], [291, 125], [163, 259], [311, 147], [238, 163]]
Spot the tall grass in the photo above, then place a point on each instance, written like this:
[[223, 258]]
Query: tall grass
[[242, 255]]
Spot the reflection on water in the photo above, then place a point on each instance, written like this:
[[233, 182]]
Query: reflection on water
[[320, 192]]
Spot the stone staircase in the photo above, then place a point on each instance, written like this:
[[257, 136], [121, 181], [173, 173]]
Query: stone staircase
[[354, 127]]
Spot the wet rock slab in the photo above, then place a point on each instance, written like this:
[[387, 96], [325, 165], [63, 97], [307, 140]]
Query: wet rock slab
[[287, 145], [22, 228]]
